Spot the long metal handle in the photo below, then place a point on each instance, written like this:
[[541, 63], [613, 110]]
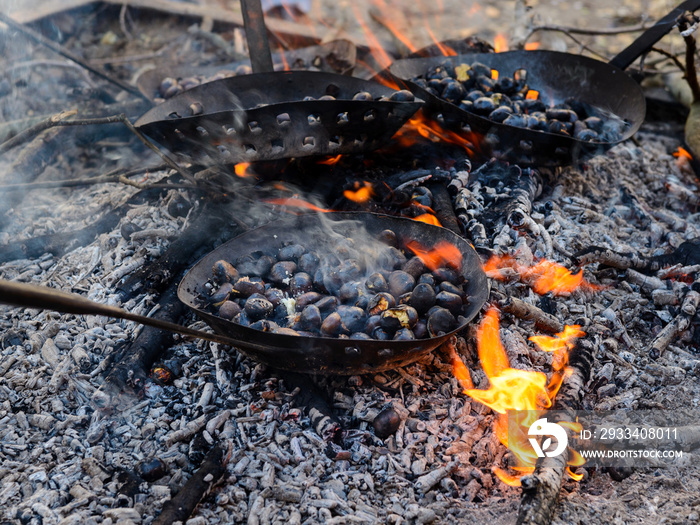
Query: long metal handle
[[652, 35], [44, 298], [256, 35]]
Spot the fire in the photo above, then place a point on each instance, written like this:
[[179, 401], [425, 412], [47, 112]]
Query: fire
[[494, 75], [428, 218], [446, 50], [531, 46], [500, 43], [526, 392], [544, 277], [532, 94], [295, 202], [330, 161], [444, 253], [419, 126], [361, 193], [241, 169], [682, 153]]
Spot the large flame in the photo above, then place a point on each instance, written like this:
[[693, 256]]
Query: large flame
[[544, 277], [444, 253], [524, 391]]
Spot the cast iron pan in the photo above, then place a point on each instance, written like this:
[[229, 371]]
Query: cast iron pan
[[557, 77], [321, 354]]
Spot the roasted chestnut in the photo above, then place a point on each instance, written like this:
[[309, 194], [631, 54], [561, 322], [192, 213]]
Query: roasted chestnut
[[281, 272], [310, 318], [422, 298], [257, 306], [224, 272], [380, 302], [451, 301], [221, 294], [245, 287], [376, 283], [400, 282], [229, 310], [292, 252], [441, 321]]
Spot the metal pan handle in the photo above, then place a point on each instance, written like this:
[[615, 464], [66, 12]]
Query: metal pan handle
[[256, 35], [652, 35], [44, 298]]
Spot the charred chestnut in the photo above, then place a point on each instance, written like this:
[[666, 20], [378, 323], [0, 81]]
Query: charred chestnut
[[388, 237], [349, 292], [400, 282], [414, 267], [308, 298], [352, 318], [221, 294], [404, 334], [402, 95], [376, 283], [451, 301], [403, 316], [301, 282], [441, 321], [310, 318], [257, 307], [422, 298], [264, 325], [309, 263], [380, 302], [281, 272], [327, 304], [224, 272], [275, 296], [292, 252], [245, 287], [229, 310]]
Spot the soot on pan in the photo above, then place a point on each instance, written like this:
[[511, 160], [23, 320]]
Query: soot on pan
[[477, 89], [340, 292]]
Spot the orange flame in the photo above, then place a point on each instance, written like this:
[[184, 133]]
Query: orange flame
[[241, 169], [682, 153], [419, 126], [444, 253], [446, 50], [361, 194], [494, 75], [295, 202], [330, 161], [461, 372], [523, 391], [532, 94], [531, 46], [544, 277], [428, 218], [500, 43]]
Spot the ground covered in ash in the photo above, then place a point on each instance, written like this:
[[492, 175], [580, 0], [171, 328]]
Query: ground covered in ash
[[65, 458]]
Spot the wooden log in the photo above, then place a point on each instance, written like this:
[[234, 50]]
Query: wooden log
[[541, 488]]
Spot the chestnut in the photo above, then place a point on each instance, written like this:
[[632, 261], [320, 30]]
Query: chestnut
[[380, 302], [414, 267], [306, 299], [224, 272], [402, 316], [301, 282], [310, 318], [388, 237], [352, 318], [281, 272], [400, 283], [221, 294], [404, 334], [245, 287], [451, 301], [275, 296], [422, 298], [292, 252], [229, 310], [440, 321], [327, 303], [349, 292], [264, 325], [377, 283], [257, 306], [309, 263]]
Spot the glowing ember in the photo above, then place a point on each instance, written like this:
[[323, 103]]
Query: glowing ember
[[419, 126], [361, 193], [526, 392], [494, 75], [500, 43], [444, 253], [295, 202], [532, 94], [544, 277], [241, 169]]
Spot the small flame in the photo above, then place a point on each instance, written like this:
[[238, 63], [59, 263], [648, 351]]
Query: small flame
[[295, 202], [682, 153], [500, 43], [432, 131], [444, 253], [361, 194], [544, 277], [532, 94], [446, 50], [241, 169], [330, 161], [532, 46], [460, 371], [428, 218], [494, 75]]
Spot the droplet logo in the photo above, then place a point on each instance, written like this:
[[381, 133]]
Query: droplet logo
[[542, 427]]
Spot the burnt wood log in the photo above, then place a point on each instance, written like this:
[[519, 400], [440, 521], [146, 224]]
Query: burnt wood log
[[130, 369], [442, 206], [208, 229], [212, 470], [687, 254], [63, 242], [311, 398], [541, 488]]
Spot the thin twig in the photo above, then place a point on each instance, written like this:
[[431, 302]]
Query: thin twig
[[593, 32], [37, 37], [571, 36], [667, 56], [687, 24], [57, 120]]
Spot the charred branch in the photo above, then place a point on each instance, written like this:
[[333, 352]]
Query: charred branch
[[211, 472], [678, 325], [528, 312], [319, 410], [541, 489]]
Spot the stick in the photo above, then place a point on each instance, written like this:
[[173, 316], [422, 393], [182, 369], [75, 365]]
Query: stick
[[57, 48], [442, 206], [310, 397], [677, 326], [529, 312], [541, 488], [212, 470]]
